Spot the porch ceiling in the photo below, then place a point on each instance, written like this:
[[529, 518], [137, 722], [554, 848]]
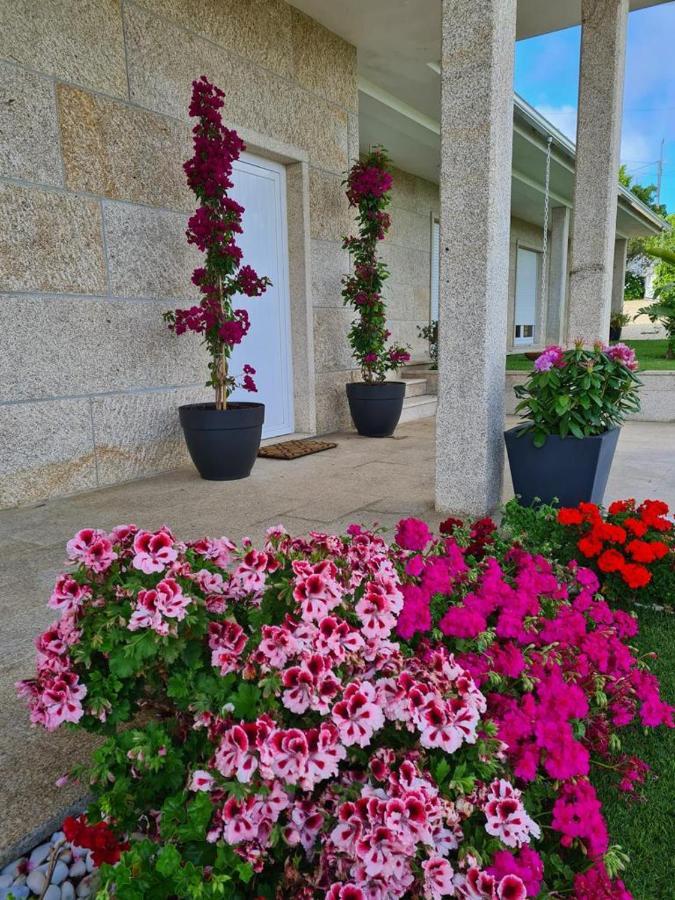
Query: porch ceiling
[[398, 44]]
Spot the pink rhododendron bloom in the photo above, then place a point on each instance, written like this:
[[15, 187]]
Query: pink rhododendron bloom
[[153, 552]]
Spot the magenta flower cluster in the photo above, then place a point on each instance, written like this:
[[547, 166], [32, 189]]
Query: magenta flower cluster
[[212, 229]]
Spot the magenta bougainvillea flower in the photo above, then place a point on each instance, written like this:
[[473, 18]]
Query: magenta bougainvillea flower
[[369, 183], [212, 229]]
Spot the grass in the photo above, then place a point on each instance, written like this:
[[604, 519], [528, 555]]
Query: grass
[[651, 356], [644, 828]]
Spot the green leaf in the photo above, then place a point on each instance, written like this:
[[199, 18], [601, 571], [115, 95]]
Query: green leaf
[[168, 861]]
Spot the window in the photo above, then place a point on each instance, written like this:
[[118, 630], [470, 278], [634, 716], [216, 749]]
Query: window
[[525, 312]]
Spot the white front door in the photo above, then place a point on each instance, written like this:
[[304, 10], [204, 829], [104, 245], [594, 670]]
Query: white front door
[[527, 269], [260, 187]]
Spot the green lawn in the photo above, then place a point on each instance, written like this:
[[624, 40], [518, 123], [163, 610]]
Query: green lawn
[[645, 829], [650, 354]]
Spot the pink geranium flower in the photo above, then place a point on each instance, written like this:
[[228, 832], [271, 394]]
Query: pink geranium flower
[[153, 552]]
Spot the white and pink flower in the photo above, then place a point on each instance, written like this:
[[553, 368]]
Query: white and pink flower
[[153, 552]]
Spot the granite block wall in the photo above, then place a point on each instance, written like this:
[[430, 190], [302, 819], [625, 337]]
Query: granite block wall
[[93, 132], [407, 252]]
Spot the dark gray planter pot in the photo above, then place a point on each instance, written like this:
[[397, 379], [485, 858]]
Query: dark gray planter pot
[[223, 443], [615, 333], [569, 469], [376, 408]]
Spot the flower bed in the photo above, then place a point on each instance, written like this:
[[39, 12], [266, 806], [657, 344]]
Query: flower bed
[[335, 717], [630, 547]]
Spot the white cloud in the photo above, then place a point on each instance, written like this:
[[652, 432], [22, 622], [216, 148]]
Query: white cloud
[[564, 118]]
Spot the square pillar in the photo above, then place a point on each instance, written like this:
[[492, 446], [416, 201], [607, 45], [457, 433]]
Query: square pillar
[[557, 274], [477, 51], [603, 45], [619, 274]]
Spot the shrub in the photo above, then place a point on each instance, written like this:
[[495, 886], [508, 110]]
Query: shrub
[[430, 333], [369, 184], [578, 392], [213, 229], [333, 717]]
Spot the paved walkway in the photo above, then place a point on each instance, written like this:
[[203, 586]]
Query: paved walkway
[[362, 480]]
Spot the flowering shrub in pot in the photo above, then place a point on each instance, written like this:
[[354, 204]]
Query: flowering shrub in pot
[[223, 438], [375, 404], [333, 717], [573, 405]]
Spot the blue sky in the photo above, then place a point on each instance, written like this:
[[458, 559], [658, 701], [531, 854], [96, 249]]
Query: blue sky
[[546, 76]]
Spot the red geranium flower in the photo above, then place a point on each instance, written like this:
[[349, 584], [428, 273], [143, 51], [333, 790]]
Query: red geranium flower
[[606, 531], [569, 516], [590, 546], [637, 526], [635, 576], [98, 838], [611, 561], [621, 506]]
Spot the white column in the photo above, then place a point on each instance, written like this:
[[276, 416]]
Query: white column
[[603, 45], [619, 274], [478, 39], [558, 272]]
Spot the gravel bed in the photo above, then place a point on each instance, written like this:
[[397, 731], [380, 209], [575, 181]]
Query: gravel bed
[[55, 870]]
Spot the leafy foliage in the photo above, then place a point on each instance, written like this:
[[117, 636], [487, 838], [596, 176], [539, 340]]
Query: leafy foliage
[[578, 392]]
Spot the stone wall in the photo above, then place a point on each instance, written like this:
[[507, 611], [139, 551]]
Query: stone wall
[[93, 204], [407, 252]]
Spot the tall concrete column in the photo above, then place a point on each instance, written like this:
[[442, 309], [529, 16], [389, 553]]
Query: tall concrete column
[[557, 274], [619, 274], [478, 39], [603, 45]]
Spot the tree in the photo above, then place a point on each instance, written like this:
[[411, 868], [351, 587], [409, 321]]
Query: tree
[[642, 192], [663, 310]]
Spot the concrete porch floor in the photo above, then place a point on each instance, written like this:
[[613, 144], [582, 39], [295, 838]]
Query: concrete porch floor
[[362, 480]]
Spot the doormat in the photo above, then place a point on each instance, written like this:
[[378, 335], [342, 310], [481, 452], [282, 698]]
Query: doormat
[[295, 449]]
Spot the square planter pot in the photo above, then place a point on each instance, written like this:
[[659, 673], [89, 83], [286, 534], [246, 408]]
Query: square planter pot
[[569, 469]]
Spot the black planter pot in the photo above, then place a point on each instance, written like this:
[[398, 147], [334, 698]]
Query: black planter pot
[[223, 443], [614, 334], [376, 408], [569, 469]]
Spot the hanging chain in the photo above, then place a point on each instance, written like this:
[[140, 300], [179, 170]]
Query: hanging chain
[[544, 246]]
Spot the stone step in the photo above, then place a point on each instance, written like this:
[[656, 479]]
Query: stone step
[[415, 387], [421, 407]]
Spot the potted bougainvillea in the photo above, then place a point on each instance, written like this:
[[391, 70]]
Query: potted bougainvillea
[[333, 717], [375, 404], [222, 437], [573, 404]]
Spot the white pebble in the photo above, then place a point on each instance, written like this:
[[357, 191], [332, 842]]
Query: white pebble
[[52, 893], [57, 837], [78, 869], [84, 887], [66, 855], [90, 863], [60, 873], [67, 891], [39, 855], [36, 881], [5, 881], [13, 867]]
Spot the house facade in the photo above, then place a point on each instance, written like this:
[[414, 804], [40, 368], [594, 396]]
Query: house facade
[[93, 133]]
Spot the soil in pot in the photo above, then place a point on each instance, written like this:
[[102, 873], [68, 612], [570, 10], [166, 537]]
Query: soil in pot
[[376, 408], [567, 469], [223, 444]]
